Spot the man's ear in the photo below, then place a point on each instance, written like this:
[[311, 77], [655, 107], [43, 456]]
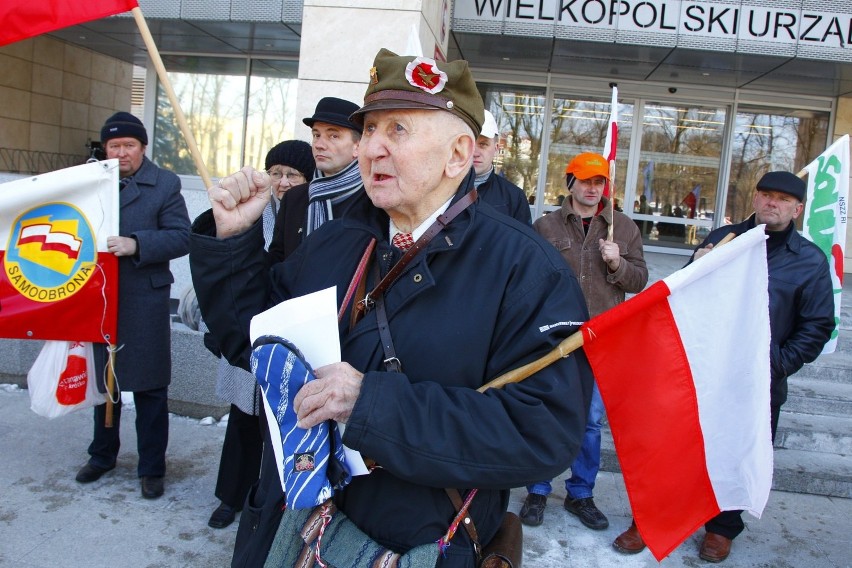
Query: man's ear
[[461, 156], [799, 208]]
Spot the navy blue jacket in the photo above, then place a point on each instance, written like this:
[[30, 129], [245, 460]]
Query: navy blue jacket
[[486, 296], [801, 304], [505, 197]]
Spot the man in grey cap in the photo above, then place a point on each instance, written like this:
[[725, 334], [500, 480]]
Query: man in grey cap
[[335, 185], [408, 402], [801, 319]]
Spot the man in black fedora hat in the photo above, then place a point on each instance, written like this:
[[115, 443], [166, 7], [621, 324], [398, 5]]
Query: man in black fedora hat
[[335, 185], [477, 294]]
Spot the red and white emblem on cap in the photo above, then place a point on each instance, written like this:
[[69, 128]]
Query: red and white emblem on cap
[[424, 74]]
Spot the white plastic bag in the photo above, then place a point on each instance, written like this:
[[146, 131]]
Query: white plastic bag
[[62, 379]]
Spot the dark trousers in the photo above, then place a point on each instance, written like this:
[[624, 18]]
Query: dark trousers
[[730, 523], [262, 514], [152, 433], [239, 466]]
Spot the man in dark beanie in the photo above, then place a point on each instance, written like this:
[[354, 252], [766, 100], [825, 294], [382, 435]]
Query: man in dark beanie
[[287, 163], [153, 229], [335, 186], [489, 294], [801, 319]]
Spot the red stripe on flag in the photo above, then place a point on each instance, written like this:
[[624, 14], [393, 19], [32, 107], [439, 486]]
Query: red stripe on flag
[[80, 317], [645, 380], [27, 18], [613, 144]]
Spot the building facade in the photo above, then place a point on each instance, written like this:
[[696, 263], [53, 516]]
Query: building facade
[[710, 94]]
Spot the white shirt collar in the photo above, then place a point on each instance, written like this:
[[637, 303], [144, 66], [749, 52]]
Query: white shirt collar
[[421, 228]]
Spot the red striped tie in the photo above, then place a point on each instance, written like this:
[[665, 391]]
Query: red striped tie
[[403, 241]]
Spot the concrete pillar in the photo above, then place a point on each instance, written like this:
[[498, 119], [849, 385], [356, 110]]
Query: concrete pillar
[[340, 38]]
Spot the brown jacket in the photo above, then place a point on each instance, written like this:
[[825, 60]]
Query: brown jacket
[[602, 289]]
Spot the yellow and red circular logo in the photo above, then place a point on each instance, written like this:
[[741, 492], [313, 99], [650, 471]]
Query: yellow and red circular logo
[[51, 252]]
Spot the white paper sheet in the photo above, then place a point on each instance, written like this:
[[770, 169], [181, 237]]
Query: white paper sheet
[[310, 323]]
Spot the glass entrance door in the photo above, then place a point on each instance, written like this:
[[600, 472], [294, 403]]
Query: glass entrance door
[[679, 163]]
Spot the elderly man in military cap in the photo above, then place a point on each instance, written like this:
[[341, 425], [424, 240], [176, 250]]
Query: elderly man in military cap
[[477, 295], [801, 319]]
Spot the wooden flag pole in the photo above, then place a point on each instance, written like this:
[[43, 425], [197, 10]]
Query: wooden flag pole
[[613, 110], [568, 345], [110, 387], [610, 228], [154, 53]]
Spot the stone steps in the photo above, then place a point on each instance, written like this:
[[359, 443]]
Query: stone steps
[[815, 473], [818, 397], [813, 445], [814, 433]]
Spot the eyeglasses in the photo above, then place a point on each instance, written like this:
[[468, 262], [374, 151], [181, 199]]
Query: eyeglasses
[[291, 176]]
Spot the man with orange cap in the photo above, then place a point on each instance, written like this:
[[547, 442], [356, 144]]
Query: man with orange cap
[[606, 270]]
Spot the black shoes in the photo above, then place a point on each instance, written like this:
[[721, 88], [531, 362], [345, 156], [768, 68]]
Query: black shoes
[[152, 487], [89, 473], [222, 517], [532, 513], [586, 511]]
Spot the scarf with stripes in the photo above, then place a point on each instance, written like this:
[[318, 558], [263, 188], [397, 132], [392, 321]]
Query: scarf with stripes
[[326, 191]]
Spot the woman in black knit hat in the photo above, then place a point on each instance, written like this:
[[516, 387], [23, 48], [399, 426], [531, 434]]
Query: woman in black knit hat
[[289, 164]]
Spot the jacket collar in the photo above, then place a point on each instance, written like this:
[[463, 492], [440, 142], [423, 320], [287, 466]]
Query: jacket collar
[[378, 221], [793, 239], [605, 213], [147, 173]]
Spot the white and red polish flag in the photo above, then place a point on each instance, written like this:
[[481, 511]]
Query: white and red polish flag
[[610, 148], [683, 369], [58, 281], [27, 18]]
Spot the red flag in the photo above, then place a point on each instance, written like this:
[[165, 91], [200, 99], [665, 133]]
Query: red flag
[[27, 18], [58, 281], [691, 201], [685, 383]]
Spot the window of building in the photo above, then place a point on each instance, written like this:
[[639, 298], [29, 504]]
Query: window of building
[[679, 164], [579, 125], [520, 119], [236, 108], [767, 139]]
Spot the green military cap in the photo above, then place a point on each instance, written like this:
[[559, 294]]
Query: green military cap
[[408, 82]]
